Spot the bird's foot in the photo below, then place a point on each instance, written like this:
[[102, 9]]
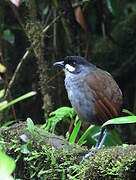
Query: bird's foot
[[98, 145], [88, 155]]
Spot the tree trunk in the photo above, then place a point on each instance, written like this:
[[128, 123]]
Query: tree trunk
[[35, 34]]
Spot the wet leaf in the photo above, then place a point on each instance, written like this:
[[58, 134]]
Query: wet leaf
[[121, 120]]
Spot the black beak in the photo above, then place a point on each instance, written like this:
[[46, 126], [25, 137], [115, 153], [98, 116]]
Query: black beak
[[59, 64]]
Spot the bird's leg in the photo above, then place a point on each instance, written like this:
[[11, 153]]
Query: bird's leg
[[99, 143], [103, 139], [99, 139]]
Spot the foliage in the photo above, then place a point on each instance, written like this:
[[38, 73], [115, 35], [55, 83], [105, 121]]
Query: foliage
[[63, 113], [38, 160], [107, 23], [30, 126], [128, 112], [7, 166], [113, 166], [27, 95], [43, 161], [21, 30], [90, 135], [4, 104], [26, 148], [75, 131], [120, 120]]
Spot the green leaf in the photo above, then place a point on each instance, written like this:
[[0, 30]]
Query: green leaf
[[7, 124], [8, 36], [7, 164], [30, 126], [76, 120], [53, 159], [32, 93], [121, 120], [45, 11], [63, 113], [92, 135], [75, 132], [115, 138], [128, 112], [89, 132]]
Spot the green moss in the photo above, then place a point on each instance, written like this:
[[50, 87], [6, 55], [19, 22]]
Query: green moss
[[36, 159], [112, 164], [47, 156]]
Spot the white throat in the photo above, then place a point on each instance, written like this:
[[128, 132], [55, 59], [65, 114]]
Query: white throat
[[69, 68]]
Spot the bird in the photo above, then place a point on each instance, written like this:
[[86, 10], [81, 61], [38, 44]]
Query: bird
[[93, 93]]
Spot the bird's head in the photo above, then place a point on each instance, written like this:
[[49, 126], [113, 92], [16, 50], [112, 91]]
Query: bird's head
[[75, 65]]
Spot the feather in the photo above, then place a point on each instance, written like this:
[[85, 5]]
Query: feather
[[108, 97]]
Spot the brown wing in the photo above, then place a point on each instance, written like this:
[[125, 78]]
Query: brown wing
[[108, 96]]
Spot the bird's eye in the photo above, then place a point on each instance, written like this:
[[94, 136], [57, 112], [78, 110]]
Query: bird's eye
[[74, 64]]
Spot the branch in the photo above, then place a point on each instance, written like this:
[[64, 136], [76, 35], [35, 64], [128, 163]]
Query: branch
[[26, 55], [54, 154], [48, 26], [17, 69]]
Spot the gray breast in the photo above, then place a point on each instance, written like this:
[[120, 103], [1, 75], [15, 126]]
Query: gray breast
[[81, 98]]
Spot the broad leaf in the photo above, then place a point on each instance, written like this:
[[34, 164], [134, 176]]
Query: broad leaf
[[121, 120], [30, 126], [7, 164]]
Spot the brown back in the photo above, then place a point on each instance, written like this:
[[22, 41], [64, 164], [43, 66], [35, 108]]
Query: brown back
[[108, 96]]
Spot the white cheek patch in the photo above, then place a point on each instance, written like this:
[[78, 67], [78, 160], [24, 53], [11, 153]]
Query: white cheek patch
[[69, 68]]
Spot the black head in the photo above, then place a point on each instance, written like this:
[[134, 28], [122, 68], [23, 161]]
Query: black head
[[73, 64]]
